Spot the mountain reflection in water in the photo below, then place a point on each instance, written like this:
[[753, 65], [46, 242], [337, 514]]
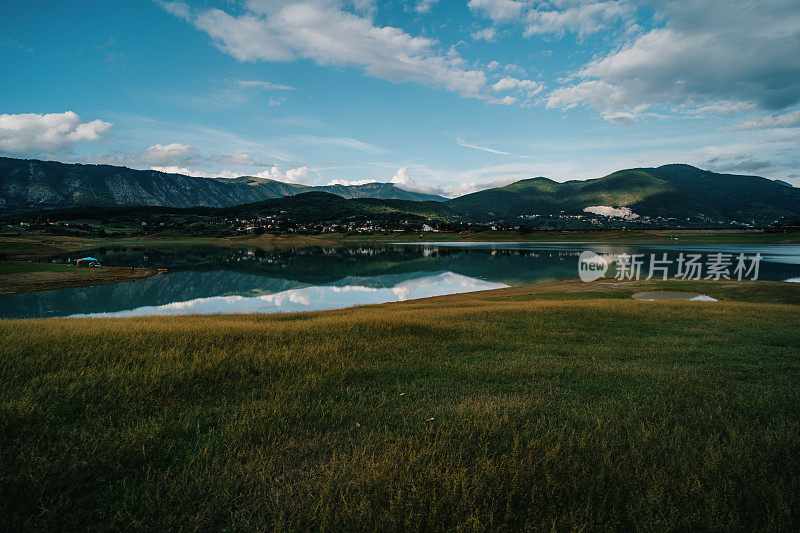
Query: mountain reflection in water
[[217, 279]]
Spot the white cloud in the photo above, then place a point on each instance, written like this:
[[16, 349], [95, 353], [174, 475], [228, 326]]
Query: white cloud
[[349, 183], [169, 154], [510, 84], [737, 52], [403, 180], [50, 133], [424, 6], [341, 142], [174, 169], [582, 19], [292, 175], [514, 69], [266, 85], [556, 17], [180, 158], [158, 155], [786, 120], [462, 142], [506, 100], [323, 32], [727, 107], [485, 34], [621, 117], [497, 10], [239, 160]]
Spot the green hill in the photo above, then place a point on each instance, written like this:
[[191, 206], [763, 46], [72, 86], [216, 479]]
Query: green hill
[[310, 208], [317, 207], [670, 191]]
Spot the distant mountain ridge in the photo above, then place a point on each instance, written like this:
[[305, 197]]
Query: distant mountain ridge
[[670, 191], [27, 184], [676, 192]]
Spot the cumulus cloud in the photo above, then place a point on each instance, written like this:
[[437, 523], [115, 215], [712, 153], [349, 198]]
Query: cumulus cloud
[[324, 32], [510, 84], [733, 52], [50, 133], [403, 180], [169, 154], [292, 175]]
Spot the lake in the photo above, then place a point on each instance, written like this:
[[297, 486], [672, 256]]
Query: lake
[[211, 279]]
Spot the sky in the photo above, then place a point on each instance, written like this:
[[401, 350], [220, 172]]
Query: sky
[[440, 96]]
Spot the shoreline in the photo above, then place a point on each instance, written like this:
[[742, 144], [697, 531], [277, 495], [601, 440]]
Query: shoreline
[[39, 245], [20, 278]]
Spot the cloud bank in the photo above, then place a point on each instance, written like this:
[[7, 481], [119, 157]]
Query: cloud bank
[[725, 54], [50, 133], [323, 31]]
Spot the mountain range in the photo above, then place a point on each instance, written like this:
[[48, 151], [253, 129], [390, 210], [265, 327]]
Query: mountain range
[[675, 191], [27, 184]]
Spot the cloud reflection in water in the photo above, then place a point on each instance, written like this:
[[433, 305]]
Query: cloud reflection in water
[[316, 298]]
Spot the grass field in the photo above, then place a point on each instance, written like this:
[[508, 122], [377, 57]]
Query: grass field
[[504, 410]]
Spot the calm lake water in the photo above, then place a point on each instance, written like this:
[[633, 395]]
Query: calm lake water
[[209, 280]]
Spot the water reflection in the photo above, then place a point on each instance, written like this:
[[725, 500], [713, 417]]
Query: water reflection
[[211, 279], [316, 298]]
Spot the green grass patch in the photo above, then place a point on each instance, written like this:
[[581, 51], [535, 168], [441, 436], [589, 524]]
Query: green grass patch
[[456, 413]]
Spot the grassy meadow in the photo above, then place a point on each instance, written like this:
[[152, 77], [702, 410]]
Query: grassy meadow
[[504, 410]]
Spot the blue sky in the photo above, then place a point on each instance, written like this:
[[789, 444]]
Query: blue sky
[[440, 96]]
